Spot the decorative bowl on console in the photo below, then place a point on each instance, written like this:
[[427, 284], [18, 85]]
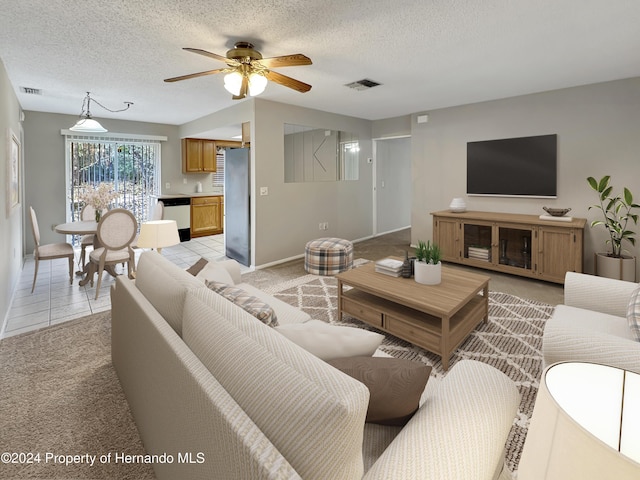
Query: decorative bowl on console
[[556, 212]]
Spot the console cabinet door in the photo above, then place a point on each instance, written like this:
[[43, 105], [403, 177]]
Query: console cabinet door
[[446, 234], [559, 251]]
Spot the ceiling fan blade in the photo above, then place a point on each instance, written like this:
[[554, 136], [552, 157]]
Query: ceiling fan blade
[[244, 88], [287, 81], [295, 60], [228, 61], [194, 75]]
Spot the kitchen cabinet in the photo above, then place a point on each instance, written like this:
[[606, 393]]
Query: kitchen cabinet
[[206, 215], [198, 155], [518, 244]]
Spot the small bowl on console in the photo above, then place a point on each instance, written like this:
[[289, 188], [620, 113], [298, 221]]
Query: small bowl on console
[[556, 212]]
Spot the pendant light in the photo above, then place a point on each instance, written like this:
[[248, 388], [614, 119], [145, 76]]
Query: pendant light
[[86, 124]]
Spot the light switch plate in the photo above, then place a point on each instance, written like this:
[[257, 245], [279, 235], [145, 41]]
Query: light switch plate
[[264, 190]]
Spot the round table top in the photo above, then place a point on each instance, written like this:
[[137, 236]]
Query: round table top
[[77, 228]]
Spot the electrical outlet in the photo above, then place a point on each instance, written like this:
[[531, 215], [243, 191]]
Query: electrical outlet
[[264, 190], [326, 225], [184, 180], [320, 225], [167, 186]]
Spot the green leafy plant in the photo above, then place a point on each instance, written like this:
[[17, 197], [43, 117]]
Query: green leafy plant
[[617, 211], [428, 252]]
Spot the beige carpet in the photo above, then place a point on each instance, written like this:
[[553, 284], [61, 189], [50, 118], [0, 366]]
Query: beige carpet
[[59, 395], [511, 341]]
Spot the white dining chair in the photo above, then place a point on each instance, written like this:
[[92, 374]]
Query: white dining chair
[[48, 251], [87, 214], [116, 231]]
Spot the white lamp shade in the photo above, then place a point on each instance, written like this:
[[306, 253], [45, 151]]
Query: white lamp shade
[[257, 84], [582, 419], [233, 82], [88, 125], [158, 234]]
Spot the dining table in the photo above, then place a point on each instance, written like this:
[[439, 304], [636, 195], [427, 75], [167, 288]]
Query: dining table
[[84, 227]]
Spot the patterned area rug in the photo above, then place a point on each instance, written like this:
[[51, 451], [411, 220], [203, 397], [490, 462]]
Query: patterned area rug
[[511, 341]]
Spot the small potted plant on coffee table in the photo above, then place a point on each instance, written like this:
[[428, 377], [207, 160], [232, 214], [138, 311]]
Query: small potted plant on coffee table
[[617, 211], [428, 268]]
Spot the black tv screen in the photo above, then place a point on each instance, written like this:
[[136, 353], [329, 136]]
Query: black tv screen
[[523, 166]]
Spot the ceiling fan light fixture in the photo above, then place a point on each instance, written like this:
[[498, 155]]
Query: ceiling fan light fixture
[[233, 82], [257, 84], [88, 125]]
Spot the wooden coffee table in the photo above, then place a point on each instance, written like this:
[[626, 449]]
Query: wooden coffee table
[[437, 318]]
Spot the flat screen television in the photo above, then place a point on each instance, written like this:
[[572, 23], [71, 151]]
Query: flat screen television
[[513, 167]]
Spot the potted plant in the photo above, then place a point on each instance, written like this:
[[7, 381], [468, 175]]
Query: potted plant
[[617, 213], [428, 268]]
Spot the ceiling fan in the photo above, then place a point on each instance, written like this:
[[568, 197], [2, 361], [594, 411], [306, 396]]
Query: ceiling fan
[[247, 72]]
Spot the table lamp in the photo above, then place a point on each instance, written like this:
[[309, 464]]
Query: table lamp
[[158, 234], [585, 425]]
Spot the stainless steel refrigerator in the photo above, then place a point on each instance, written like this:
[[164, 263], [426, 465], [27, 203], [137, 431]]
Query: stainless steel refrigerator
[[237, 204]]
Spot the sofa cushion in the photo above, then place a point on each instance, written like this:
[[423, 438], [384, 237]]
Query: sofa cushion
[[329, 342], [164, 284], [633, 313], [212, 272], [318, 431], [249, 303], [395, 386]]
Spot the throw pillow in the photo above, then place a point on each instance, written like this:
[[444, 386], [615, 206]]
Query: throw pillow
[[395, 386], [633, 313], [329, 342], [196, 267], [249, 303]]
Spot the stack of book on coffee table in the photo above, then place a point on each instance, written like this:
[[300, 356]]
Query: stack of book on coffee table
[[389, 266]]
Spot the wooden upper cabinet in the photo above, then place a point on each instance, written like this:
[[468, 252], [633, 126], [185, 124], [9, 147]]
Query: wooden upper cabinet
[[198, 155]]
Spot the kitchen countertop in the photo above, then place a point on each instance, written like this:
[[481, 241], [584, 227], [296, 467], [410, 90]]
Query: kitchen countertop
[[190, 195]]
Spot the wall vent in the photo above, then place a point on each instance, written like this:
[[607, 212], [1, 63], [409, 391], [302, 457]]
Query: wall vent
[[31, 91], [363, 84]]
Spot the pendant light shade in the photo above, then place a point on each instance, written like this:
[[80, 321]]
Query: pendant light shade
[[88, 125]]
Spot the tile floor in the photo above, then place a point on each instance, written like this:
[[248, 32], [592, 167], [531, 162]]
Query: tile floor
[[54, 300]]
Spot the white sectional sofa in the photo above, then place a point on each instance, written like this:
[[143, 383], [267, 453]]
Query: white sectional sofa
[[592, 326], [228, 397]]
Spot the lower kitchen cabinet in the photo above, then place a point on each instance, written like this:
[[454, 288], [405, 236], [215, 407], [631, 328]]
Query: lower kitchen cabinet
[[206, 216]]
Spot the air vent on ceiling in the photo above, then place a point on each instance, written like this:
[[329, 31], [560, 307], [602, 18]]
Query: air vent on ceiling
[[363, 84], [31, 91]]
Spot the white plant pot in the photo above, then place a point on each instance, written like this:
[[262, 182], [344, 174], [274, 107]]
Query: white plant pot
[[428, 274], [619, 268]]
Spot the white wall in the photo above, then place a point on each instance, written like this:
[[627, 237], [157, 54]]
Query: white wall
[[11, 247], [598, 129], [289, 216]]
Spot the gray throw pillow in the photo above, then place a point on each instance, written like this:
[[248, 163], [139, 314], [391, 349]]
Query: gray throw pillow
[[249, 303], [395, 386]]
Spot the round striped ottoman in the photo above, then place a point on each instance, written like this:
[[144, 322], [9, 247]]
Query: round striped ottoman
[[328, 256]]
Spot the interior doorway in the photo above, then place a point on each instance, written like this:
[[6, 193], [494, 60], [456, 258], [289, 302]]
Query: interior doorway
[[392, 184]]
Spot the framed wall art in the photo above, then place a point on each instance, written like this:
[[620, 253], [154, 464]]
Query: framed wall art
[[13, 171]]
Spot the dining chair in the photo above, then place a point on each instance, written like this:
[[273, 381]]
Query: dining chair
[[48, 251], [116, 230], [87, 214]]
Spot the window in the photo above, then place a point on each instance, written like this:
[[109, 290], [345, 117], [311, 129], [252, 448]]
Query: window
[[217, 178], [132, 166]]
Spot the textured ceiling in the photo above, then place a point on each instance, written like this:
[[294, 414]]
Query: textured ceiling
[[427, 54]]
